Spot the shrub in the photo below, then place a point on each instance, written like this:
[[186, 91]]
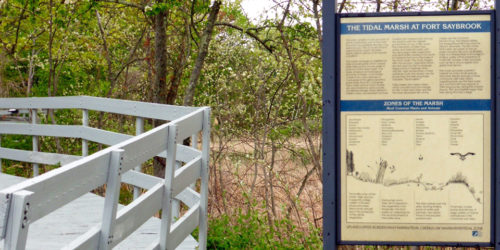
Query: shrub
[[250, 230]]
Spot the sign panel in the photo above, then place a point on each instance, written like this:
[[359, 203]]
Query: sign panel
[[415, 128]]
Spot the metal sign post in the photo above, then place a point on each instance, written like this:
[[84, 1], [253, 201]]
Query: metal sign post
[[496, 182], [329, 125]]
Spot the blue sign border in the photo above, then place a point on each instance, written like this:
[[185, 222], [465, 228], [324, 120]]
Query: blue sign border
[[331, 127]]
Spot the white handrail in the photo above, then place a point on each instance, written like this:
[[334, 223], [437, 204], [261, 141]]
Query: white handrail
[[60, 186]]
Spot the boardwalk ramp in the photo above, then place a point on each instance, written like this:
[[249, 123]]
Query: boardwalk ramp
[[56, 210]]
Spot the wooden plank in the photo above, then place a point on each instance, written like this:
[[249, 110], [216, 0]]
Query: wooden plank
[[137, 213], [88, 240], [68, 131], [154, 246], [189, 197], [61, 102], [143, 147], [37, 157], [138, 109], [19, 111], [40, 129], [189, 124], [92, 134], [183, 227], [102, 136], [186, 175], [62, 185], [186, 153], [141, 180], [125, 107]]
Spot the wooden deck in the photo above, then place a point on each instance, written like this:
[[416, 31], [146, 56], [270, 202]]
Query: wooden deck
[[67, 223]]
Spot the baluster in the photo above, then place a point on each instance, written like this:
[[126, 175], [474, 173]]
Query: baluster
[[139, 129], [34, 116], [85, 123], [0, 158]]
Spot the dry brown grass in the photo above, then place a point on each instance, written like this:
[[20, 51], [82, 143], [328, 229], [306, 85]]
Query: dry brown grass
[[236, 165]]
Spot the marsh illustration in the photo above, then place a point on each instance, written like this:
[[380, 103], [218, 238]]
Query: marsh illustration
[[380, 175]]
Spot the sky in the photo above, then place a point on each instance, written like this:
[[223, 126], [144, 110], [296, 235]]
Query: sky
[[254, 8]]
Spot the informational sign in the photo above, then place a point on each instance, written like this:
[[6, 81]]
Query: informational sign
[[415, 128]]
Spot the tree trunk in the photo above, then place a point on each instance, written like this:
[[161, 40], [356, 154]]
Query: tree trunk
[[202, 53], [180, 64], [160, 83], [318, 25], [160, 58], [379, 4]]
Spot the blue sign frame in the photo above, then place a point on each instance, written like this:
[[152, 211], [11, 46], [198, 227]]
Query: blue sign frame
[[331, 127]]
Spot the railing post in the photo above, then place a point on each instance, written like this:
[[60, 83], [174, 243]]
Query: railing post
[[139, 128], [0, 158], [18, 221], [85, 123], [34, 116], [166, 215], [111, 199], [205, 157]]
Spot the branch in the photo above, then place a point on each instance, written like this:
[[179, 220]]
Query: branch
[[21, 17], [132, 52], [472, 4], [247, 31], [126, 65], [192, 22], [202, 52], [107, 54], [103, 37], [129, 4]]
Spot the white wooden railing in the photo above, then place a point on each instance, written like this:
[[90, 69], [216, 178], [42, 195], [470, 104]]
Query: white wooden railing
[[28, 201]]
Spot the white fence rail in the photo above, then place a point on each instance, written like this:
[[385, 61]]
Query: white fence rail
[[28, 201]]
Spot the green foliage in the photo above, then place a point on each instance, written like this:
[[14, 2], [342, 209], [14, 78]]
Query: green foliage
[[126, 195], [250, 230], [157, 8]]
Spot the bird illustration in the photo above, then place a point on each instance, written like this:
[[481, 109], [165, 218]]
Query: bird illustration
[[462, 156]]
